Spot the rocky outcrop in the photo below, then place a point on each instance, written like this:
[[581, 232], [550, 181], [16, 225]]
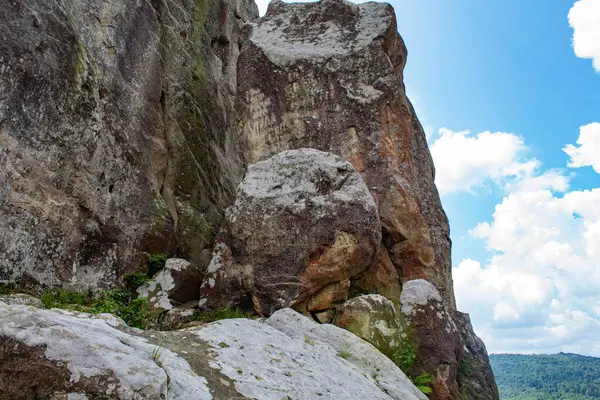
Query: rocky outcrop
[[435, 335], [52, 354], [21, 299], [475, 376], [303, 224], [328, 75], [115, 118], [126, 126]]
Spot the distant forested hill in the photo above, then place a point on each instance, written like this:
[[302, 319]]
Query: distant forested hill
[[547, 376]]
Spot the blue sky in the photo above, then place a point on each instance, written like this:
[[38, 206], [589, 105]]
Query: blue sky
[[505, 90]]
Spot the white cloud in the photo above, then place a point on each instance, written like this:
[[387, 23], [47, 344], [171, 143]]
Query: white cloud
[[584, 18], [504, 312], [588, 152], [464, 161], [540, 290]]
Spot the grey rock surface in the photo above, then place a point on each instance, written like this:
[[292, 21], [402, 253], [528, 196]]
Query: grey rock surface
[[21, 299], [44, 353], [302, 220], [115, 118]]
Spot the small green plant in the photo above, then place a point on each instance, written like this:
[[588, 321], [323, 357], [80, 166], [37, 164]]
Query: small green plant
[[6, 288], [307, 340], [344, 354], [224, 313], [422, 382], [156, 262], [406, 357]]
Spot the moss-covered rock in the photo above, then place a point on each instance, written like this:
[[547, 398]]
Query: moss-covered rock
[[372, 317]]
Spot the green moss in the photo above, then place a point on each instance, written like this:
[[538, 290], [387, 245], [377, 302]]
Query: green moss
[[160, 217], [468, 366]]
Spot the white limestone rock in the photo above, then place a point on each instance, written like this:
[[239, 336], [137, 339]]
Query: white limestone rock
[[121, 365], [286, 356]]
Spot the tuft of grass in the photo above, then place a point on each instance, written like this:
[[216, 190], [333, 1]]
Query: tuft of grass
[[120, 302], [6, 288], [156, 262], [60, 298], [156, 354], [224, 313], [344, 354]]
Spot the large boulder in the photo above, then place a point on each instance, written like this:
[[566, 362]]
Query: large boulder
[[328, 75], [302, 221], [57, 355], [116, 118]]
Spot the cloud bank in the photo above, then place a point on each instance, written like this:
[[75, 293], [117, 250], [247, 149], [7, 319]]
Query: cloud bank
[[540, 289]]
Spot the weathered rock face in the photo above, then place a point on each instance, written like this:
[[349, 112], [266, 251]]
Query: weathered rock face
[[115, 118], [446, 346], [328, 75], [475, 376], [302, 225], [51, 354], [125, 127]]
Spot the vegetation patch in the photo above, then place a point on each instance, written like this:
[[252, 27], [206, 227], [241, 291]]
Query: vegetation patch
[[224, 313], [405, 358], [155, 263], [120, 302], [344, 354], [6, 289], [560, 376]]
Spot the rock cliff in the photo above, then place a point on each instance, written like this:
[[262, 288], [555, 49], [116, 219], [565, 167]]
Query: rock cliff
[[278, 158], [328, 75], [117, 134]]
